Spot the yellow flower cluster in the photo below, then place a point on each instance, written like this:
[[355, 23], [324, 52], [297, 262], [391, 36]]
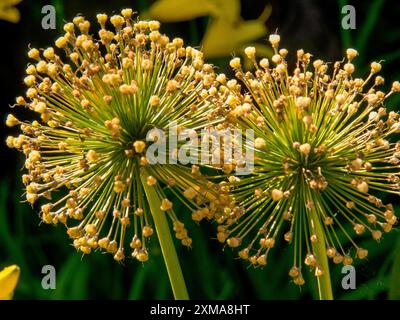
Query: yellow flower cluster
[[324, 149], [323, 145], [97, 100]]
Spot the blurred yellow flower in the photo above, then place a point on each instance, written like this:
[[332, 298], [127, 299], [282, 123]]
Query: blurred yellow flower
[[8, 12], [227, 31], [182, 10], [223, 37], [8, 281]]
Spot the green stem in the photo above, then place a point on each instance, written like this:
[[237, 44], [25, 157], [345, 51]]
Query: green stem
[[324, 281], [167, 245]]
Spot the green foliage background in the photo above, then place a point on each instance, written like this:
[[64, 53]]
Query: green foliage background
[[210, 271]]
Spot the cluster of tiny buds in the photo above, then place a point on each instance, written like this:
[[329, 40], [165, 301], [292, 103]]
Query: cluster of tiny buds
[[93, 140], [315, 127], [88, 127]]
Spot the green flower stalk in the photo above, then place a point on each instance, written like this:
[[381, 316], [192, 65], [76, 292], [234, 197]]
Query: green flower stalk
[[87, 155], [322, 154]]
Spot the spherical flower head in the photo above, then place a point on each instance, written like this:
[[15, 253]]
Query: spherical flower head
[[99, 102], [324, 146]]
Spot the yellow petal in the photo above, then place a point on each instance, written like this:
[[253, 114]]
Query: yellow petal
[[228, 10], [222, 38], [181, 10], [8, 3], [7, 12], [10, 14], [8, 281], [250, 30], [265, 14]]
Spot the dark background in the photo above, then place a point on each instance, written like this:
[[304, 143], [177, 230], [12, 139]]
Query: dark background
[[210, 272]]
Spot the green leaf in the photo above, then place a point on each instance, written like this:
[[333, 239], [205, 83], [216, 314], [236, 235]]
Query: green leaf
[[137, 287], [394, 284], [374, 12]]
